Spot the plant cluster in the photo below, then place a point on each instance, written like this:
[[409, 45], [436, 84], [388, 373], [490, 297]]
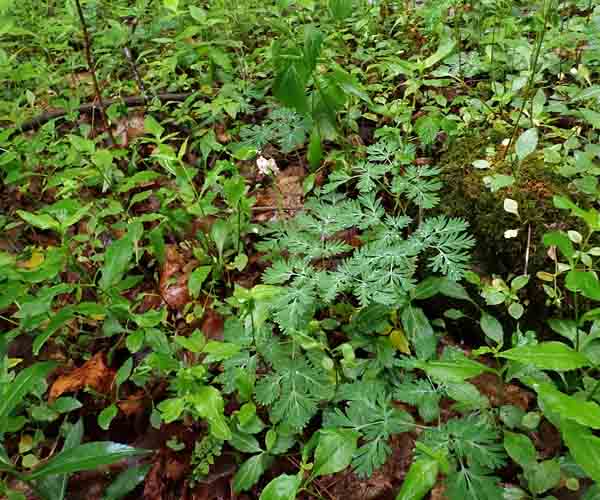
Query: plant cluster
[[233, 235]]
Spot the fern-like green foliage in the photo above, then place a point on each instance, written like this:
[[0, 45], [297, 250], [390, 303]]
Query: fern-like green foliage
[[283, 128], [370, 412], [476, 448], [310, 255], [294, 387]]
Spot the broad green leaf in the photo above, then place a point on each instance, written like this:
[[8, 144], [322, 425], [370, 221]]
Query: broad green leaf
[[565, 327], [433, 285], [245, 443], [419, 480], [250, 472], [57, 321], [444, 50], [283, 487], [349, 84], [106, 416], [126, 482], [172, 5], [520, 448], [197, 277], [543, 476], [340, 9], [584, 446], [496, 182], [41, 221], [334, 451], [584, 282], [526, 143], [561, 241], [54, 487], [313, 39], [567, 407], [88, 456], [592, 117], [289, 88], [152, 126], [5, 463], [116, 262], [23, 383], [492, 328], [592, 92], [419, 331], [208, 403], [547, 356], [456, 370]]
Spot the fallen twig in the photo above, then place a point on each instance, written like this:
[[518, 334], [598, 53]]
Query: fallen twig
[[132, 101]]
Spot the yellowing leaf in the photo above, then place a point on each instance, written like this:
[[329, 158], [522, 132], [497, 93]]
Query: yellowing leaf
[[399, 341], [34, 261]]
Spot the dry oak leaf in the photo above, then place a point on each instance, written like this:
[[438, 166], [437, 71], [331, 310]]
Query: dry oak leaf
[[93, 374]]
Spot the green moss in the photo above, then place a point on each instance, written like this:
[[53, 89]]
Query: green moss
[[467, 196]]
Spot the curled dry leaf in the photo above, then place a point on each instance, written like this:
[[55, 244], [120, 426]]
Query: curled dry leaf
[[93, 374]]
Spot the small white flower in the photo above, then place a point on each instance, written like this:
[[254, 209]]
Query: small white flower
[[511, 233], [511, 206], [267, 167]]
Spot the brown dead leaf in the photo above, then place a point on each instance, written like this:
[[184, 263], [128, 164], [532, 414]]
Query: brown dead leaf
[[129, 127], [174, 278], [154, 485], [93, 374], [439, 492], [212, 325], [133, 405], [283, 199]]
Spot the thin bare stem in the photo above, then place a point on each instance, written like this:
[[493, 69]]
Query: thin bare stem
[[90, 61]]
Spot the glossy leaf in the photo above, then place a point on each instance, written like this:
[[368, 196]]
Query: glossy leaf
[[88, 456], [419, 480], [584, 446], [334, 451], [492, 328], [23, 383], [283, 487], [547, 356], [250, 472], [568, 407], [126, 482]]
